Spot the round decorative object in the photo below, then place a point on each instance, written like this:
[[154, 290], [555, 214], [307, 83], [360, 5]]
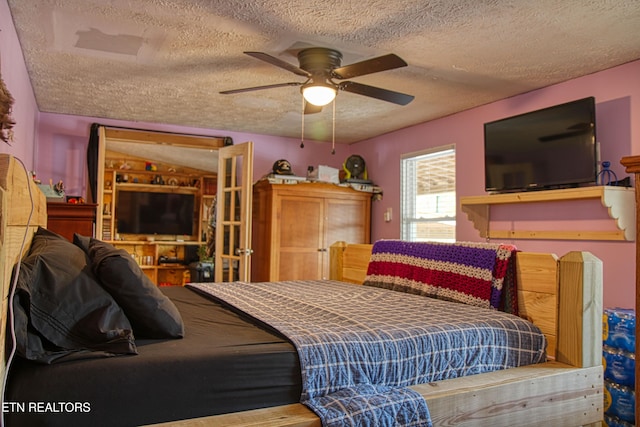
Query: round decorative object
[[172, 181], [355, 167]]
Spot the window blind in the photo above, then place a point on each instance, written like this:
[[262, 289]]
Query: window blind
[[428, 195]]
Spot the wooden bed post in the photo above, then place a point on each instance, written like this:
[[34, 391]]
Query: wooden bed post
[[632, 165], [16, 192], [335, 260], [580, 291]]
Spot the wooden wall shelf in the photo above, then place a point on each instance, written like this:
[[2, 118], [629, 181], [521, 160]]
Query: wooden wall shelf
[[619, 201]]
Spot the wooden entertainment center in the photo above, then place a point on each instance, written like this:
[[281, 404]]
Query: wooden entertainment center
[[162, 257], [148, 249]]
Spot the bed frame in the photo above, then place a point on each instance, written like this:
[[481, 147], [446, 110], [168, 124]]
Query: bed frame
[[562, 296]]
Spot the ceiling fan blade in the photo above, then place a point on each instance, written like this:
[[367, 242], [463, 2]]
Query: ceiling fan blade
[[376, 92], [309, 108], [279, 63], [369, 66], [249, 89]]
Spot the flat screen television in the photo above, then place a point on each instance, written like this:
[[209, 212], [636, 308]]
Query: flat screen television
[[146, 212], [554, 147]]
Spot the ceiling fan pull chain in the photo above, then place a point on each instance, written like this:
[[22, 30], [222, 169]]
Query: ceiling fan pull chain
[[302, 136], [333, 130]]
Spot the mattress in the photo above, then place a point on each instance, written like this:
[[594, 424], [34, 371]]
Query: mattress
[[223, 364], [229, 362]]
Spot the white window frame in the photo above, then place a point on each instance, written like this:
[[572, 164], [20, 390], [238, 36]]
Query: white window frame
[[410, 218]]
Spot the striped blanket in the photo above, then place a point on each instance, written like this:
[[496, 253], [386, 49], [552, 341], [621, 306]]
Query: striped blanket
[[480, 274]]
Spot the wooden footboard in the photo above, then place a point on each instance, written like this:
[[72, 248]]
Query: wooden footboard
[[551, 394]]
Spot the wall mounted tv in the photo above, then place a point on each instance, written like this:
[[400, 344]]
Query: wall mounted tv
[[553, 147], [146, 212]]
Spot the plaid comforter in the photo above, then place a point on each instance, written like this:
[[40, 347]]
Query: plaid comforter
[[361, 347]]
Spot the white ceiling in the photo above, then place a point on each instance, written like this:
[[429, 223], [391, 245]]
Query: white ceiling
[[164, 61]]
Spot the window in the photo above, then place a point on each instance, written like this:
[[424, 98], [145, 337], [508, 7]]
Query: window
[[428, 195]]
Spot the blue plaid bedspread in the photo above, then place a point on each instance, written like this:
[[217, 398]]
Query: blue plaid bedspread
[[361, 347]]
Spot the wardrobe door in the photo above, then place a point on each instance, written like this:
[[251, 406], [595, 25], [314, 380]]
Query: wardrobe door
[[301, 224]]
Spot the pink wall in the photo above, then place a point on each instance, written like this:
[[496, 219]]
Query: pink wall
[[617, 93], [14, 74]]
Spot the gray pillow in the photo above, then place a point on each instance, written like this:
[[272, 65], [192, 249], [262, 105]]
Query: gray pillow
[[151, 313]]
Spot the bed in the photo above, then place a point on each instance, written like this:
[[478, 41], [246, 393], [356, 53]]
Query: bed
[[562, 296]]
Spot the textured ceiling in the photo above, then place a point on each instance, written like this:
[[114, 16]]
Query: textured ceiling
[[164, 61]]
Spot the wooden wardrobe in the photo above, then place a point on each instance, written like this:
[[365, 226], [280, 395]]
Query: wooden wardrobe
[[295, 224], [632, 163]]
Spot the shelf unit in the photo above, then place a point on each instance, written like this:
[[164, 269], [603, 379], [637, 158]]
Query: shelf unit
[[619, 201], [161, 274], [207, 204], [147, 249], [186, 183]]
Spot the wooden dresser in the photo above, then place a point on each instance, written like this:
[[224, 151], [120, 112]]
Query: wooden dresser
[[68, 218], [632, 163], [295, 224]]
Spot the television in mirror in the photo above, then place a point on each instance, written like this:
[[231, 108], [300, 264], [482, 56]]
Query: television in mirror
[[155, 213]]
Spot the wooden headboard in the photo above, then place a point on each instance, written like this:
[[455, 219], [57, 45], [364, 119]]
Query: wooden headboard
[[563, 297], [23, 207]]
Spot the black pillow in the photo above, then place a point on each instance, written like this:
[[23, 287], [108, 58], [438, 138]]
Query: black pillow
[[82, 242], [151, 313], [61, 312]]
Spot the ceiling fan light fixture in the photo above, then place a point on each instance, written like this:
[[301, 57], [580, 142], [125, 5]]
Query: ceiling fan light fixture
[[319, 94]]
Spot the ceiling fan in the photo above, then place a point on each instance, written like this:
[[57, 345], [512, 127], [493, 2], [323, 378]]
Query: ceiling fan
[[321, 66]]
